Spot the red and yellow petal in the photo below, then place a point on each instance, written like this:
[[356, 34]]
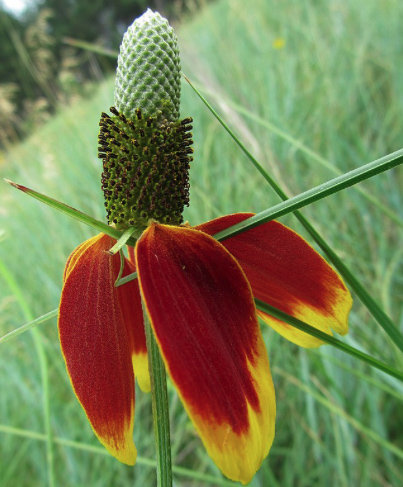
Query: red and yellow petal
[[287, 273], [136, 333], [93, 316], [74, 256], [203, 316]]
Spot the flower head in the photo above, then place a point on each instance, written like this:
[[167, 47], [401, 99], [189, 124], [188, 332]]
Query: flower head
[[198, 295], [145, 148]]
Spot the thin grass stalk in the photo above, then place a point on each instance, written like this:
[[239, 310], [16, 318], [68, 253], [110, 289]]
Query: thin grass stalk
[[312, 154], [28, 63], [363, 430], [381, 317], [43, 365], [160, 407], [301, 325], [30, 324], [315, 194], [99, 450], [328, 339]]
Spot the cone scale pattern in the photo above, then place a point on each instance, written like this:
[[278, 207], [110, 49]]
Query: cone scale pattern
[[145, 148], [148, 73]]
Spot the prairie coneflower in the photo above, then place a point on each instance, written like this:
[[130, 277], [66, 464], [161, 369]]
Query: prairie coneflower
[[198, 293]]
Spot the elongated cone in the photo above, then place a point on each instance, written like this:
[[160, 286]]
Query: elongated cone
[[287, 273], [148, 73], [95, 319], [203, 316]]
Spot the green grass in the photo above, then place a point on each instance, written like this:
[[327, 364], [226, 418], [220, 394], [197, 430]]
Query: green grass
[[329, 100]]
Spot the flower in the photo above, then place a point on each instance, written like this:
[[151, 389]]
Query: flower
[[198, 294]]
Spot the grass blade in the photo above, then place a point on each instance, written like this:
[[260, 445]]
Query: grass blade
[[363, 430], [317, 193], [180, 471], [44, 370], [276, 313], [89, 46], [72, 212], [27, 326], [266, 308], [311, 153], [385, 322]]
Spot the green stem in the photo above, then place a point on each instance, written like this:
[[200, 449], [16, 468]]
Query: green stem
[[160, 407]]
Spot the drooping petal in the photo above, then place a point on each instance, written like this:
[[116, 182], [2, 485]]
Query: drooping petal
[[136, 333], [287, 273], [93, 316], [203, 315], [74, 256]]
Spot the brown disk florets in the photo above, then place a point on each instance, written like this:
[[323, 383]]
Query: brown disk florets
[[145, 168]]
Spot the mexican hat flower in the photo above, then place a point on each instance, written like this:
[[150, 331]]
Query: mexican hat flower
[[197, 293]]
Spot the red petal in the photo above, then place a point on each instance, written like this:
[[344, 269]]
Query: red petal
[[136, 331], [71, 261], [132, 256], [286, 272], [93, 316], [203, 315]]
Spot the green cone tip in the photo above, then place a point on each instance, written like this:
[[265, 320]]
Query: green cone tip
[[148, 72]]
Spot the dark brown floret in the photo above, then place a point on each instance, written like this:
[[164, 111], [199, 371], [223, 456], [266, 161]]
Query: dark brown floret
[[146, 168]]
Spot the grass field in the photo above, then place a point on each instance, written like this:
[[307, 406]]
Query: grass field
[[313, 89]]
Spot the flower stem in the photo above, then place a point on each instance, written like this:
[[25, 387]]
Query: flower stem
[[160, 408]]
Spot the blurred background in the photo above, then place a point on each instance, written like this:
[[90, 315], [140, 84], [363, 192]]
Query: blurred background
[[39, 66], [313, 89]]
